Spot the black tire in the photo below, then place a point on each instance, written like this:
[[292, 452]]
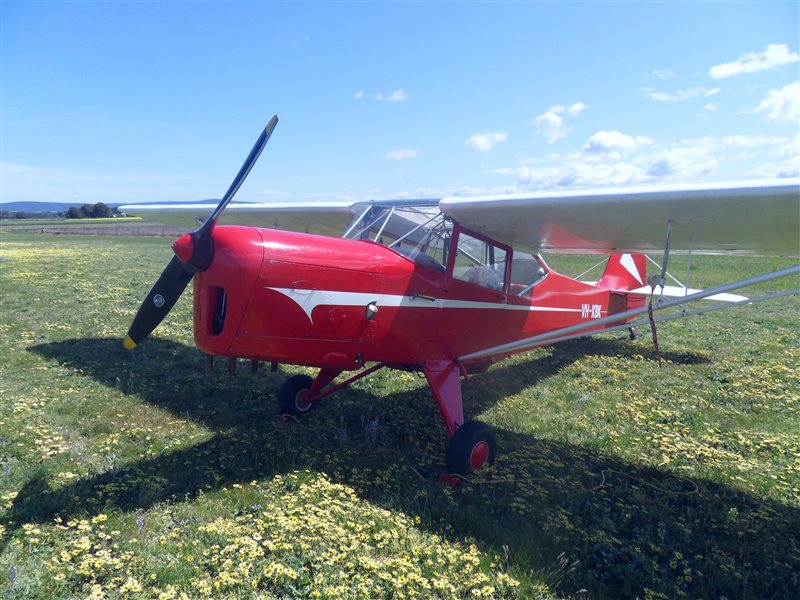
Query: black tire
[[291, 395], [473, 446]]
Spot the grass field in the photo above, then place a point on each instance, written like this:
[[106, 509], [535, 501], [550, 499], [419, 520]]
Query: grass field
[[117, 226], [135, 475]]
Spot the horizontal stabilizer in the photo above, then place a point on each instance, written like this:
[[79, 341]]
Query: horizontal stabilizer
[[674, 291]]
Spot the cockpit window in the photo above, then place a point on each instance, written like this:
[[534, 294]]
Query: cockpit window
[[480, 262], [418, 230], [526, 272]]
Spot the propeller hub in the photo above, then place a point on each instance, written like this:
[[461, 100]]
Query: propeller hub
[[184, 248]]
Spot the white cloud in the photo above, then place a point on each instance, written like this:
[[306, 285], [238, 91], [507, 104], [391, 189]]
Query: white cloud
[[377, 193], [790, 148], [781, 106], [784, 162], [402, 154], [663, 74], [776, 170], [577, 174], [395, 96], [698, 157], [776, 55], [486, 141], [683, 162], [680, 94], [612, 158], [573, 110], [614, 141], [751, 141], [551, 124], [712, 106], [617, 160]]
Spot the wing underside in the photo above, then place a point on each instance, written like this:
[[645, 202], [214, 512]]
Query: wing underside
[[325, 218], [761, 217]]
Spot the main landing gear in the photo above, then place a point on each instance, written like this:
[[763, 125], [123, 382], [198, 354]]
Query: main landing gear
[[293, 396], [471, 448], [472, 444]]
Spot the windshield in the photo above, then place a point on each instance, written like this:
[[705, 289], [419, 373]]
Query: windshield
[[421, 233]]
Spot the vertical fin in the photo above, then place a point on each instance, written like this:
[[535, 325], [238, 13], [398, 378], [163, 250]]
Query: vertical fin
[[624, 272]]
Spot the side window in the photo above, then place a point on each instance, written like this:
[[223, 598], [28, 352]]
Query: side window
[[526, 272], [480, 262]]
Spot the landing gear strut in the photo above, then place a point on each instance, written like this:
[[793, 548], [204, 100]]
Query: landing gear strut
[[472, 444]]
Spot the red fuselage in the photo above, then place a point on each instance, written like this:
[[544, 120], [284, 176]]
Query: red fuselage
[[306, 299]]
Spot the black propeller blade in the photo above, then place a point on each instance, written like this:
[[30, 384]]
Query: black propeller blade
[[202, 235], [159, 300], [194, 252]]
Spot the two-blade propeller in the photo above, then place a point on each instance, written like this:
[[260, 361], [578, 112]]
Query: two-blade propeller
[[193, 253]]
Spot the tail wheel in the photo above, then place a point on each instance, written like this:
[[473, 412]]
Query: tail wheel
[[472, 447], [293, 395]]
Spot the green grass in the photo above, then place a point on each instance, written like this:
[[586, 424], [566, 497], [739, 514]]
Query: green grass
[[137, 475]]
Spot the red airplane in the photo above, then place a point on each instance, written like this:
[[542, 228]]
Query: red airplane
[[445, 287]]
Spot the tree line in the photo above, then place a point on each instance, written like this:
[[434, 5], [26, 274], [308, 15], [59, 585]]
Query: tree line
[[99, 210], [91, 211]]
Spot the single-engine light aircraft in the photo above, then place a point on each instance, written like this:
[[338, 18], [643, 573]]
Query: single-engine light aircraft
[[445, 287]]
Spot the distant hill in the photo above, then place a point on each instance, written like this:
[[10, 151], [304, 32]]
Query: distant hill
[[63, 206], [38, 206]]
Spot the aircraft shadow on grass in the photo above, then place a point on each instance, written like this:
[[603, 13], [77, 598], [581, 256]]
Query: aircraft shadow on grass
[[623, 528]]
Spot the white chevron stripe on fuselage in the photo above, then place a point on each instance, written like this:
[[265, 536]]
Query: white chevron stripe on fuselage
[[308, 300]]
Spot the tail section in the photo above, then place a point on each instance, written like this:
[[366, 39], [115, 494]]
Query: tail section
[[626, 276], [624, 272]]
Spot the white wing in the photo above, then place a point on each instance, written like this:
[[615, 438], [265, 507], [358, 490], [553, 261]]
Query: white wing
[[756, 216], [326, 218]]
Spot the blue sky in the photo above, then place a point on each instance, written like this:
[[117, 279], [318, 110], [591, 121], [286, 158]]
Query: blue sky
[[159, 101]]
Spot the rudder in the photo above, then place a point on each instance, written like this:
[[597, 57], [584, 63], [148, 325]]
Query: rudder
[[624, 272]]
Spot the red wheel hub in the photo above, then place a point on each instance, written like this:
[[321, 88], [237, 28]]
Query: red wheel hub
[[479, 455]]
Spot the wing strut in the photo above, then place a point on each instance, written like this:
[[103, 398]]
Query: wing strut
[[551, 337], [680, 315], [659, 281], [417, 228], [357, 221]]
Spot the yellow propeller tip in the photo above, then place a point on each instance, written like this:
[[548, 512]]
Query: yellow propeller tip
[[129, 343]]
